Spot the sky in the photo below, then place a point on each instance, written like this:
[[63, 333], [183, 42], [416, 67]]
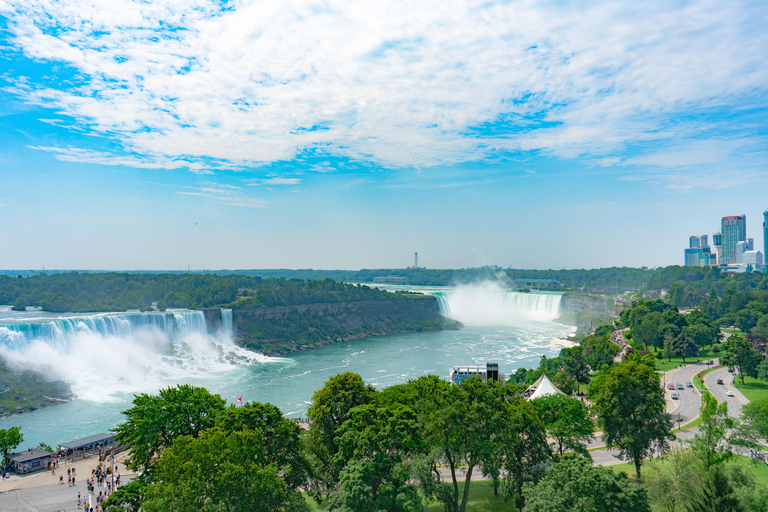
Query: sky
[[202, 134]]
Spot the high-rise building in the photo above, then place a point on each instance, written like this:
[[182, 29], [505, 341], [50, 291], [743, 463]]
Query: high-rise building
[[734, 230], [717, 241], [744, 247], [698, 254], [765, 232]]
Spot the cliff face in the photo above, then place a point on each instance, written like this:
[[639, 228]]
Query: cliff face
[[593, 303], [283, 329]]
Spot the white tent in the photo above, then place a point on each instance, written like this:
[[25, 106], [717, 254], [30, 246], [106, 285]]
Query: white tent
[[543, 387]]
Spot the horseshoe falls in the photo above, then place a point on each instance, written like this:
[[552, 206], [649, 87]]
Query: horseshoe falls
[[488, 304]]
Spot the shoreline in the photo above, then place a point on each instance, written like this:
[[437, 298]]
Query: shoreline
[[52, 402], [353, 337]]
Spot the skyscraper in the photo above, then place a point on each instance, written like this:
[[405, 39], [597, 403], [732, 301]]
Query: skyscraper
[[765, 233], [717, 241], [734, 230]]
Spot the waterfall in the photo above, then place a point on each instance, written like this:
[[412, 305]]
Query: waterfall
[[489, 304], [61, 330], [227, 321], [104, 355]]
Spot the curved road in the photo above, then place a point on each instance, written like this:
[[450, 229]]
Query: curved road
[[735, 402]]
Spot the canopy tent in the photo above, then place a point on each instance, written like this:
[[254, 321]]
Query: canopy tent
[[543, 387]]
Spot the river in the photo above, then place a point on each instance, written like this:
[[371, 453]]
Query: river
[[107, 358]]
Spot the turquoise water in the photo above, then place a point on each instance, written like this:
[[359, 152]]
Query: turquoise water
[[287, 382]]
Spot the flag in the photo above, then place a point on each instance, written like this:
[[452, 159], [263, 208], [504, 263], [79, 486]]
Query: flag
[[239, 399]]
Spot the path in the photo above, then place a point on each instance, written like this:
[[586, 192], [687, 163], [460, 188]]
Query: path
[[41, 492]]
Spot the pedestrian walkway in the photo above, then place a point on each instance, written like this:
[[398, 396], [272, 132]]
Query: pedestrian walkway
[[41, 491]]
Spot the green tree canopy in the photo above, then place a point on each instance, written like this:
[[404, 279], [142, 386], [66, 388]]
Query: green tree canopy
[[573, 484], [567, 421], [631, 412], [710, 444], [376, 448], [10, 438], [155, 421], [738, 353], [280, 438], [220, 471], [329, 410]]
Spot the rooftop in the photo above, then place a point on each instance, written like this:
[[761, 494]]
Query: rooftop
[[28, 455], [87, 441]]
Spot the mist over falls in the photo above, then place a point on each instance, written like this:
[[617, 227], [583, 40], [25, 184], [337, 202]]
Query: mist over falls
[[488, 304], [101, 355]]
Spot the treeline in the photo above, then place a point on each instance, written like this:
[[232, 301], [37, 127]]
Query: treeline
[[387, 450], [77, 292], [615, 277]]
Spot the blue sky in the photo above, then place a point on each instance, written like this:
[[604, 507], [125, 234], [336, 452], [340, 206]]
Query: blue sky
[[333, 134]]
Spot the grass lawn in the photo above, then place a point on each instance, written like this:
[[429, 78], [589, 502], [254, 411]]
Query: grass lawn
[[758, 472], [481, 499], [705, 354], [752, 388]]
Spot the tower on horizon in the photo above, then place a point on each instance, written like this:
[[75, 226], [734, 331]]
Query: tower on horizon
[[734, 230], [416, 260]]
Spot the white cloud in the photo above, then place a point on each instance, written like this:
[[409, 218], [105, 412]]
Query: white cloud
[[397, 83], [222, 193], [281, 181]]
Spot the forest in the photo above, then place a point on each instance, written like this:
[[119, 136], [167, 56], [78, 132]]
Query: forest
[[90, 292]]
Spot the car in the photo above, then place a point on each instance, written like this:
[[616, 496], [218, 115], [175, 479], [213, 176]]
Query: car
[[680, 386], [719, 381], [729, 393], [674, 396], [710, 362], [689, 384], [670, 386]]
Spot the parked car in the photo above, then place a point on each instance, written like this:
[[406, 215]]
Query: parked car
[[670, 386], [680, 386], [729, 393], [719, 381], [674, 396], [689, 384], [710, 362]]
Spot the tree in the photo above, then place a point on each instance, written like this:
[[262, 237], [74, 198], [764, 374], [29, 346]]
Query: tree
[[472, 419], [752, 428], [219, 471], [710, 444], [280, 438], [377, 444], [669, 480], [154, 422], [126, 498], [329, 410], [715, 493], [566, 420], [631, 411], [701, 334], [685, 346], [524, 452], [739, 354], [762, 326], [647, 332], [575, 364], [10, 438], [573, 484]]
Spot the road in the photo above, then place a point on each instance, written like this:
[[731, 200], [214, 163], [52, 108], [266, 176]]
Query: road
[[735, 402]]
